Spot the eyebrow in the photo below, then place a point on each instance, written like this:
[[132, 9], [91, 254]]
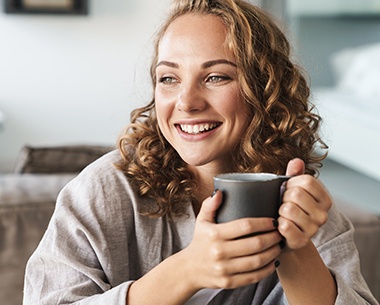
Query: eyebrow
[[205, 65], [167, 63], [211, 63]]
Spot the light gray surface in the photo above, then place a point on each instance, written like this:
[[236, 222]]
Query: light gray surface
[[316, 38], [351, 186]]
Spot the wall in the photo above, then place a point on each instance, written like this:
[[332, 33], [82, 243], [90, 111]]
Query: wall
[[74, 79], [320, 36], [350, 119]]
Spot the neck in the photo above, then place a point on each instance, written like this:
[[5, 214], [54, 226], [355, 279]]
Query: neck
[[204, 178]]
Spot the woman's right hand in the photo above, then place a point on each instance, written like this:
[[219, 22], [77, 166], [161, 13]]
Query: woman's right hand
[[219, 257]]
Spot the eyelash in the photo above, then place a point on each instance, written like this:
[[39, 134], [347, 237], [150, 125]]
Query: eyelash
[[166, 80], [219, 78], [213, 79]]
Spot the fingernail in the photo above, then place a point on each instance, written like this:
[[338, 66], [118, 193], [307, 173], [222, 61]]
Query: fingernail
[[213, 193], [282, 244], [275, 223], [277, 263]]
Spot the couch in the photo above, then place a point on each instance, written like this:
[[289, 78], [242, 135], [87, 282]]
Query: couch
[[27, 200]]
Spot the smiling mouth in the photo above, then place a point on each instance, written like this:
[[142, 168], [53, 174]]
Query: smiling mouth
[[198, 128]]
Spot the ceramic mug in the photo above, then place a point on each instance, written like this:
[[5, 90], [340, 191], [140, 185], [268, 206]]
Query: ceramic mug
[[249, 195]]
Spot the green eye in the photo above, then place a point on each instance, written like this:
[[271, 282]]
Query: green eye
[[167, 80], [217, 78]]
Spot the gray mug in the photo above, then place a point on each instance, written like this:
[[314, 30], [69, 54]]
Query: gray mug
[[249, 195]]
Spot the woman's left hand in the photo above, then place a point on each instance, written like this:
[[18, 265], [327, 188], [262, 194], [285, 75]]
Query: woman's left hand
[[306, 203]]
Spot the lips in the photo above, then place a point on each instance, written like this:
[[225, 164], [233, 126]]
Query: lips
[[198, 128]]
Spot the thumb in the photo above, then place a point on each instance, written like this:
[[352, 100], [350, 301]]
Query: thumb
[[295, 167], [209, 207]]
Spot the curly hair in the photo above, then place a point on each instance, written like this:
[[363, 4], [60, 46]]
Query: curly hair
[[283, 123]]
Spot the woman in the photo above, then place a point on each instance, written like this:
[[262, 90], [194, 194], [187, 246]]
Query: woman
[[227, 98]]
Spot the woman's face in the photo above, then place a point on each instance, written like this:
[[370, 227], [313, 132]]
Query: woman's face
[[199, 107]]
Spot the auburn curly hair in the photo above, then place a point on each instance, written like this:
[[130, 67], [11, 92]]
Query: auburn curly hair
[[283, 123]]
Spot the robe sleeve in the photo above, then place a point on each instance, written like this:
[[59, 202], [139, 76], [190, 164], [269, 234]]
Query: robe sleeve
[[91, 231]]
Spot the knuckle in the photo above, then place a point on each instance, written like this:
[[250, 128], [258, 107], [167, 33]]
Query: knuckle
[[296, 193], [258, 262], [219, 270], [284, 227], [217, 253], [287, 209], [258, 242], [246, 226], [323, 218], [308, 180], [320, 218], [226, 282], [213, 233]]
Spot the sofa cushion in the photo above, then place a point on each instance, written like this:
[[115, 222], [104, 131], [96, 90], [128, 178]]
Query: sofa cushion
[[26, 204], [21, 229], [17, 189], [58, 159]]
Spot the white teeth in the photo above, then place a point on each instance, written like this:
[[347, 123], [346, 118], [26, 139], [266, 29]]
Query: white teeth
[[197, 128]]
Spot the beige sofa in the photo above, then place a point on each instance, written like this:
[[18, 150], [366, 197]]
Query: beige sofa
[[27, 201], [26, 204]]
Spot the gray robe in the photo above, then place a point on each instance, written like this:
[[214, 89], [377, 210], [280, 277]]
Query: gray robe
[[97, 244]]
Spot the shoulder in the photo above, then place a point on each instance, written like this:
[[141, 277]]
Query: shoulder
[[105, 165], [101, 176], [100, 192]]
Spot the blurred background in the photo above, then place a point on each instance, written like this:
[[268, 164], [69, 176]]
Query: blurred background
[[73, 79], [69, 79]]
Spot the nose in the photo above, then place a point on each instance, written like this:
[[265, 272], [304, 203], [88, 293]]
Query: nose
[[191, 99]]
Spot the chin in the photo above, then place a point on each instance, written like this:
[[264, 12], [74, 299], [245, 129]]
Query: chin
[[194, 161]]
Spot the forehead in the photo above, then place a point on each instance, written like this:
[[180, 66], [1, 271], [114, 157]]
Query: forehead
[[197, 35]]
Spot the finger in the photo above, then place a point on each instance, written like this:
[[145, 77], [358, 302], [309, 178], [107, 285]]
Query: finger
[[246, 278], [249, 263], [209, 207], [249, 245], [295, 167], [313, 187], [299, 205], [295, 239], [246, 226], [305, 223]]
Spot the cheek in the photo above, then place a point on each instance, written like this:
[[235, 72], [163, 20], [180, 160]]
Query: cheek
[[159, 105], [242, 115], [160, 114], [234, 105], [163, 114]]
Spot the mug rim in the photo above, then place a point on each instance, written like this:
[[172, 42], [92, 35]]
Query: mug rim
[[247, 177]]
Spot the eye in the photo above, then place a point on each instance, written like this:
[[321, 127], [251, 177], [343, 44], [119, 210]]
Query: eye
[[167, 80], [217, 78]]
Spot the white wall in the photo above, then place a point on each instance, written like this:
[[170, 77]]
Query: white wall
[[74, 79]]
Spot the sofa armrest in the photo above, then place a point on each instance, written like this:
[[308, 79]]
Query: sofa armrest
[[31, 188]]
